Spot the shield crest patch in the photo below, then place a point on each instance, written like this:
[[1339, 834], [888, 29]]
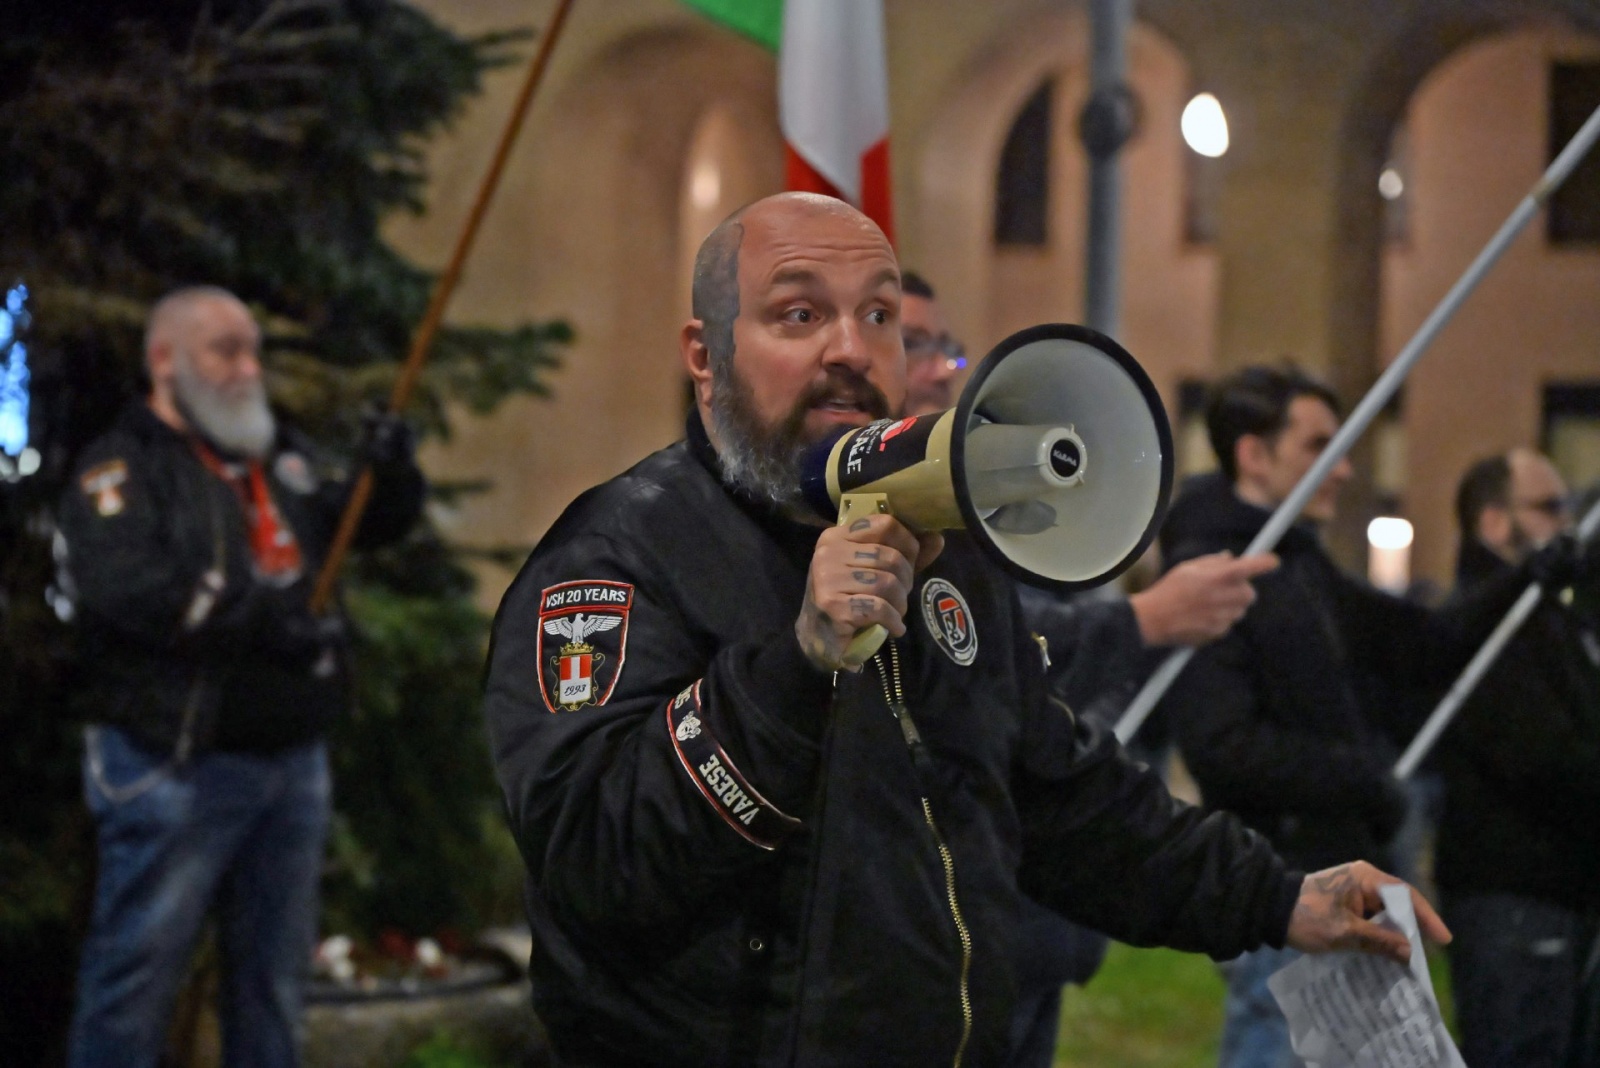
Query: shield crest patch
[[949, 621], [582, 642]]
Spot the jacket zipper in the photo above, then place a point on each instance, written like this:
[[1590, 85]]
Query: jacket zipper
[[894, 694]]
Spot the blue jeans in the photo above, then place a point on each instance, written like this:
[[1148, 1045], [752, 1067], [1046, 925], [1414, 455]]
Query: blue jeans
[[1518, 969], [238, 832], [1254, 1032]]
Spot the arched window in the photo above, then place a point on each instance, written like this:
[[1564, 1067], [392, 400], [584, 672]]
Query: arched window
[[1574, 215], [1022, 183]]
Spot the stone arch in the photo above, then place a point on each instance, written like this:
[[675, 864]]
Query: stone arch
[[594, 225], [1533, 320], [1431, 33], [1169, 286], [731, 160]]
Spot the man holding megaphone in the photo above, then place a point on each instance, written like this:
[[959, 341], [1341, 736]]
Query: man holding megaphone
[[756, 831]]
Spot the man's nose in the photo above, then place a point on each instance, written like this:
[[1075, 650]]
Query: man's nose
[[846, 346], [245, 367], [1343, 471]]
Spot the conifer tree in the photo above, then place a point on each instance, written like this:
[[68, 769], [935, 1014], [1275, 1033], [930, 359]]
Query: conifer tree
[[256, 145]]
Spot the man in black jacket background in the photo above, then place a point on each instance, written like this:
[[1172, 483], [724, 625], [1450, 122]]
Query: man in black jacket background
[[1518, 862], [1269, 718], [191, 535], [744, 849]]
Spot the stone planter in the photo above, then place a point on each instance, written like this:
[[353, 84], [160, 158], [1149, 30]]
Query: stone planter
[[380, 1030], [485, 1003]]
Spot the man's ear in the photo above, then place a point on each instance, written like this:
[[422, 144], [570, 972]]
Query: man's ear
[[159, 358], [1494, 527], [1251, 455], [696, 360]]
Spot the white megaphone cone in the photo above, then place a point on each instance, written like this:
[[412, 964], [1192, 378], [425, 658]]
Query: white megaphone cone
[[1057, 458]]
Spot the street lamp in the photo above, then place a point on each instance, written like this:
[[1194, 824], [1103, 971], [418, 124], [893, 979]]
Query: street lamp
[[1204, 126]]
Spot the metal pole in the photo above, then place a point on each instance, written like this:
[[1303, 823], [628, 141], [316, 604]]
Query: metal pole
[[1105, 126], [1480, 664], [1377, 397]]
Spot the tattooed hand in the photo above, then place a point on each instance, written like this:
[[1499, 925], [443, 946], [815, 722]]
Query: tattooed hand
[[860, 575], [1333, 912]]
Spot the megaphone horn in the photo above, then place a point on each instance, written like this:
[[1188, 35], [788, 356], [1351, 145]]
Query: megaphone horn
[[1057, 459]]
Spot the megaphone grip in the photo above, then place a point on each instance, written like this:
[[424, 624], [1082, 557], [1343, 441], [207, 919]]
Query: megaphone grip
[[865, 644], [868, 640]]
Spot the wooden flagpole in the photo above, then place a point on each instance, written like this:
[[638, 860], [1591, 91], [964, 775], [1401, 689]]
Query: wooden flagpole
[[422, 340]]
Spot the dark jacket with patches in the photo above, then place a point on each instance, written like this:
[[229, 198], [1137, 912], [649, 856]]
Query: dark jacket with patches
[[1270, 718], [730, 858], [1522, 759], [179, 664]]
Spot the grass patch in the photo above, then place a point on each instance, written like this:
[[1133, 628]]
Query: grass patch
[[1146, 1007], [1158, 1008]]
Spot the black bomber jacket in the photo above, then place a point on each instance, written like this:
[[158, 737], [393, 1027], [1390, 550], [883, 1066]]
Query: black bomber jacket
[[736, 859], [181, 645], [1276, 719]]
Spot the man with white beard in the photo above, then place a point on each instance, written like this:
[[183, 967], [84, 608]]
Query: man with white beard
[[193, 531]]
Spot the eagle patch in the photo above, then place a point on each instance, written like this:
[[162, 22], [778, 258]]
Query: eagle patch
[[583, 640]]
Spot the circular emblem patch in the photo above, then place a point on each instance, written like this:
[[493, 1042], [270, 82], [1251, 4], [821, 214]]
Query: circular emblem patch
[[949, 620]]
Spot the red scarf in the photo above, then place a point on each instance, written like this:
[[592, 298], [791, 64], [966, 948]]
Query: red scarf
[[272, 543]]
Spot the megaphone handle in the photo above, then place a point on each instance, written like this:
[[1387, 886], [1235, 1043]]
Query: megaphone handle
[[853, 506]]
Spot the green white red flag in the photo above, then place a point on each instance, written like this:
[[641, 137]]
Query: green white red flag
[[833, 93]]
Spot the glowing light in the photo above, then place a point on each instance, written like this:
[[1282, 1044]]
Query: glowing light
[[1389, 555], [1204, 126], [1388, 532], [14, 375], [1390, 184], [705, 184]]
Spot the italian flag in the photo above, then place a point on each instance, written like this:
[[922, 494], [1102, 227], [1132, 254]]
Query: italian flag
[[833, 93]]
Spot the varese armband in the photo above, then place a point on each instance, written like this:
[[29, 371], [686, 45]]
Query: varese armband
[[755, 818]]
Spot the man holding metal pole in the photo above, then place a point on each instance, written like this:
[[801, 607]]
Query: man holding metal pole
[[1519, 843], [1270, 718]]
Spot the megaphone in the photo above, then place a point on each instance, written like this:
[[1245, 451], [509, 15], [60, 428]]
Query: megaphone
[[1057, 459]]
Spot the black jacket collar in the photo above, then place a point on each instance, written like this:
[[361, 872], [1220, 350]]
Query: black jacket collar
[[1208, 515], [1476, 562]]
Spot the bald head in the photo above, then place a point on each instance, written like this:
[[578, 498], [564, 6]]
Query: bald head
[[796, 333], [202, 350], [715, 292], [1512, 503], [175, 313]]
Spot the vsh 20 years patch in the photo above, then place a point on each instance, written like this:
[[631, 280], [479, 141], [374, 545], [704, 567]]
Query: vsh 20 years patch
[[583, 641]]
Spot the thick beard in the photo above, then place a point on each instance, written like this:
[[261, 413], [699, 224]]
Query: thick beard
[[763, 461], [241, 424]]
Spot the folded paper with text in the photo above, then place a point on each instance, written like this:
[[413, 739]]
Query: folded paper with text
[[1356, 1010]]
